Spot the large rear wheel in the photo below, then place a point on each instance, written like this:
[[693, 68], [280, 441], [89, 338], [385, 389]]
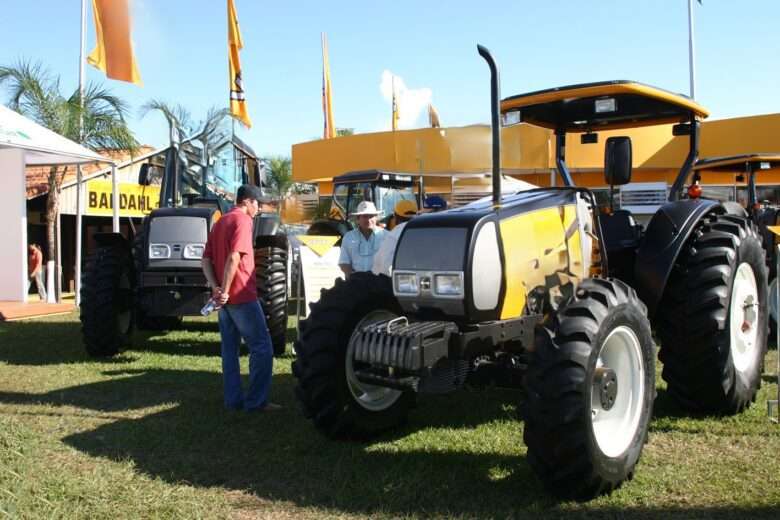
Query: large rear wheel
[[107, 302], [331, 395], [712, 321], [271, 266], [590, 390]]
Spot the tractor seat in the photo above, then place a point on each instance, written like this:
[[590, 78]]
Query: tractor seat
[[620, 231]]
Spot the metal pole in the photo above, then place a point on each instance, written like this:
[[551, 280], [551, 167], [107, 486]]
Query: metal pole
[[690, 49], [114, 199], [82, 52]]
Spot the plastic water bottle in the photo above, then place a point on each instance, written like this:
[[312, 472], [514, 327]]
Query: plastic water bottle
[[210, 307]]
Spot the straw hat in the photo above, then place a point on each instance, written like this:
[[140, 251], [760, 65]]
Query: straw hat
[[365, 208]]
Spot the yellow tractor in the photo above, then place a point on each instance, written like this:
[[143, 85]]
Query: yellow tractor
[[538, 290]]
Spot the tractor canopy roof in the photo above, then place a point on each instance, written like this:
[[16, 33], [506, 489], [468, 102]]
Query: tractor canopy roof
[[375, 176], [758, 161], [590, 107]]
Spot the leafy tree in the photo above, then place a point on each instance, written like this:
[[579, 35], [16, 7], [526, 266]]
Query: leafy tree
[[341, 132], [36, 94], [279, 175]]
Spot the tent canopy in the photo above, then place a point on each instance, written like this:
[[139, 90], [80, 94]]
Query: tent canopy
[[41, 145]]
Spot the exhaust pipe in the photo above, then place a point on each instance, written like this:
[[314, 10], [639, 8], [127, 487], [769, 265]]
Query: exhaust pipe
[[495, 121]]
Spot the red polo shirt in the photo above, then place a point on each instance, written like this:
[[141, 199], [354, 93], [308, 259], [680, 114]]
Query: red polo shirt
[[233, 233]]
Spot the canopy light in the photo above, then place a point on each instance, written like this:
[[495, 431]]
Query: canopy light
[[764, 165], [606, 105]]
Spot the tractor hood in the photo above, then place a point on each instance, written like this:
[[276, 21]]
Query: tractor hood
[[477, 263], [176, 237]]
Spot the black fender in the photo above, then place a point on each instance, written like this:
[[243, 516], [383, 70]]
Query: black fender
[[266, 224], [329, 227], [666, 235]]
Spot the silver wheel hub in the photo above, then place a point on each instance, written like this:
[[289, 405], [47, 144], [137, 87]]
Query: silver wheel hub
[[617, 391], [371, 397], [743, 317]]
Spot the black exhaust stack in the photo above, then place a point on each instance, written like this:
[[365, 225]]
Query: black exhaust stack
[[495, 121]]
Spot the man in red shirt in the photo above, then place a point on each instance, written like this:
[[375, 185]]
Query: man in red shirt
[[35, 269], [229, 265]]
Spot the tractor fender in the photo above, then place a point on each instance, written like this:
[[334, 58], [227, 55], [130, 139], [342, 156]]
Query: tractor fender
[[665, 237], [266, 224], [112, 240]]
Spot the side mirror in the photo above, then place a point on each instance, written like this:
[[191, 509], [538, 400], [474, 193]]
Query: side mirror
[[617, 161], [143, 175]]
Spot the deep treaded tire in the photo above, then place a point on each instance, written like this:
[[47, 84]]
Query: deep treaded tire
[[106, 302], [271, 265], [321, 364], [706, 364], [577, 445]]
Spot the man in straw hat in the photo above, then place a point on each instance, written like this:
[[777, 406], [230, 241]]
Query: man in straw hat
[[359, 246]]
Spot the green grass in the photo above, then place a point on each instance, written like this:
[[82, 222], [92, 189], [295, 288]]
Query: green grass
[[144, 435]]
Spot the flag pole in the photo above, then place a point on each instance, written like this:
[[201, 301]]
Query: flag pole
[[692, 66], [82, 52]]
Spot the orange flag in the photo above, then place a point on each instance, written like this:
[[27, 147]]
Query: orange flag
[[237, 101], [114, 51], [327, 101], [395, 107]]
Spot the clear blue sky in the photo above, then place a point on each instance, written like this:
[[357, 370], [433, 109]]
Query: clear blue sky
[[181, 50]]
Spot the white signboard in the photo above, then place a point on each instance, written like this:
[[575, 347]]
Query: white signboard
[[319, 272]]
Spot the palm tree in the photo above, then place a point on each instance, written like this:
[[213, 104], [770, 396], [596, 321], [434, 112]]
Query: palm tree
[[35, 93], [279, 170]]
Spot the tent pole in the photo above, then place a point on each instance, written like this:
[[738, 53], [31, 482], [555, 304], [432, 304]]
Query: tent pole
[[82, 51], [114, 199]]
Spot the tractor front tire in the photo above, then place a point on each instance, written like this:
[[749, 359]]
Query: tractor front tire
[[107, 302], [712, 320], [590, 389], [271, 266], [338, 404]]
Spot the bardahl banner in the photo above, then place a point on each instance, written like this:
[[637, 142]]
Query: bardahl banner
[[134, 200]]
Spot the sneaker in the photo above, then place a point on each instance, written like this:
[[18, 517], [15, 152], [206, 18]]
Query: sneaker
[[268, 407]]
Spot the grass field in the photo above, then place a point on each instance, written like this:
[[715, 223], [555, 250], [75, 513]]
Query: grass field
[[144, 435]]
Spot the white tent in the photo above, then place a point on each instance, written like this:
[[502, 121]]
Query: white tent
[[24, 142]]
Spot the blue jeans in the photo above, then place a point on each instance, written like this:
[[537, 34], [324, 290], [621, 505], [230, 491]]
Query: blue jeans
[[245, 320]]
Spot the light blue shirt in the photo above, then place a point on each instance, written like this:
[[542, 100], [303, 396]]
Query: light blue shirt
[[358, 251]]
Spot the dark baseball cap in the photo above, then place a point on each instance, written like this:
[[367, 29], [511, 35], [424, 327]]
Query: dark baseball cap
[[247, 191]]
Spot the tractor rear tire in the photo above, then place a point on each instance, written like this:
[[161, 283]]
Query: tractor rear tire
[[107, 302], [271, 265], [332, 398], [712, 320], [590, 389]]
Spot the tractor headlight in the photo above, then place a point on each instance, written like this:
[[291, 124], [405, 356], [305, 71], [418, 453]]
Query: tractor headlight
[[194, 251], [405, 283], [159, 251], [448, 284]]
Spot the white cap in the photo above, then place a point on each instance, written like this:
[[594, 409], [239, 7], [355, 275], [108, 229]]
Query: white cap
[[365, 208]]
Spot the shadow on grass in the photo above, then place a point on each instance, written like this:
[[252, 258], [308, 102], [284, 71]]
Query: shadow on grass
[[280, 456]]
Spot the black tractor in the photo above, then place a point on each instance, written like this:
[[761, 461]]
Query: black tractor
[[153, 280], [383, 188], [539, 290]]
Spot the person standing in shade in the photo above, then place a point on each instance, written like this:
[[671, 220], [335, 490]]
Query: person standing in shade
[[359, 246], [35, 270], [229, 265]]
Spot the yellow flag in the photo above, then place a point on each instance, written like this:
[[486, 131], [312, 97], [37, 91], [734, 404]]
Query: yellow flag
[[114, 51], [327, 101], [395, 107], [237, 101], [433, 116]]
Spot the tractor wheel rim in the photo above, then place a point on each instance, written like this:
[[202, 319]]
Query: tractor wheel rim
[[743, 317], [371, 397], [616, 424]]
